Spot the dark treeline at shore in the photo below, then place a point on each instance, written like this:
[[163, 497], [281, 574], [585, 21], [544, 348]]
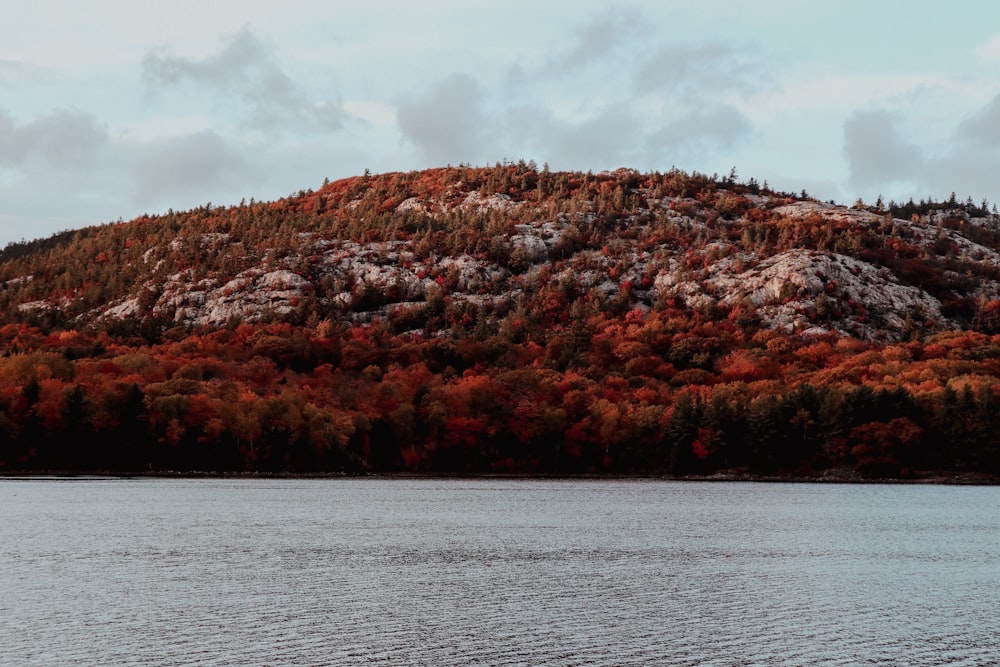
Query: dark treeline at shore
[[279, 398]]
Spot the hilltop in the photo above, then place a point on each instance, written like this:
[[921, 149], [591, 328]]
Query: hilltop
[[382, 246], [510, 319]]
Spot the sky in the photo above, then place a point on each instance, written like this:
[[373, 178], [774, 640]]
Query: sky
[[110, 109]]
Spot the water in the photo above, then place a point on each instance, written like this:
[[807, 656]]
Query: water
[[487, 572]]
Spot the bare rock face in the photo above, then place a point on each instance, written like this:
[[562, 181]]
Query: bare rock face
[[803, 210], [479, 203], [414, 204], [806, 290], [795, 289], [249, 295], [530, 247]]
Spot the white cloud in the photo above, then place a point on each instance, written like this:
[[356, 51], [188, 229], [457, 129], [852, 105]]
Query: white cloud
[[374, 112], [989, 50], [842, 93]]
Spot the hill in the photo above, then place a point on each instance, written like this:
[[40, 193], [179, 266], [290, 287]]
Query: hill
[[510, 319]]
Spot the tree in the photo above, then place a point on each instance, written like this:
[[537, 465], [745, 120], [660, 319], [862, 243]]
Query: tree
[[680, 433], [882, 448]]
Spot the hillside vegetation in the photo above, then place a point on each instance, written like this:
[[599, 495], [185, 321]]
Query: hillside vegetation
[[513, 320]]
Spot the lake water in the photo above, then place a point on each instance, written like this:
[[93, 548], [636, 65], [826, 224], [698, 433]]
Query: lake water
[[496, 572]]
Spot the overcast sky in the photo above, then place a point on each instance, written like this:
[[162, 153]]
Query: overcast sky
[[109, 109]]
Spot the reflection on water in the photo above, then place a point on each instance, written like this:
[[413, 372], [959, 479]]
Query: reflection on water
[[496, 572]]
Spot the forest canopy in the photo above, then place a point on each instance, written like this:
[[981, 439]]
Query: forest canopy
[[510, 319]]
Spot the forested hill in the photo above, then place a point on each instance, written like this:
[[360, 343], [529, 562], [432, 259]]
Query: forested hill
[[510, 319]]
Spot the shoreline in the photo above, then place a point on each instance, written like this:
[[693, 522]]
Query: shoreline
[[930, 477]]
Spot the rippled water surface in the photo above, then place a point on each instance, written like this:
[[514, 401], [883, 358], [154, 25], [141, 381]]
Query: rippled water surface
[[487, 572]]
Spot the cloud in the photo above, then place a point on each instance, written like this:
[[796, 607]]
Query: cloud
[[234, 64], [983, 127], [18, 72], [620, 93], [61, 139], [721, 127], [245, 69], [881, 159], [699, 87], [608, 137], [54, 169], [459, 120], [130, 176], [188, 167], [598, 38], [967, 173], [989, 50], [446, 123], [9, 69], [693, 72], [592, 44], [876, 152]]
